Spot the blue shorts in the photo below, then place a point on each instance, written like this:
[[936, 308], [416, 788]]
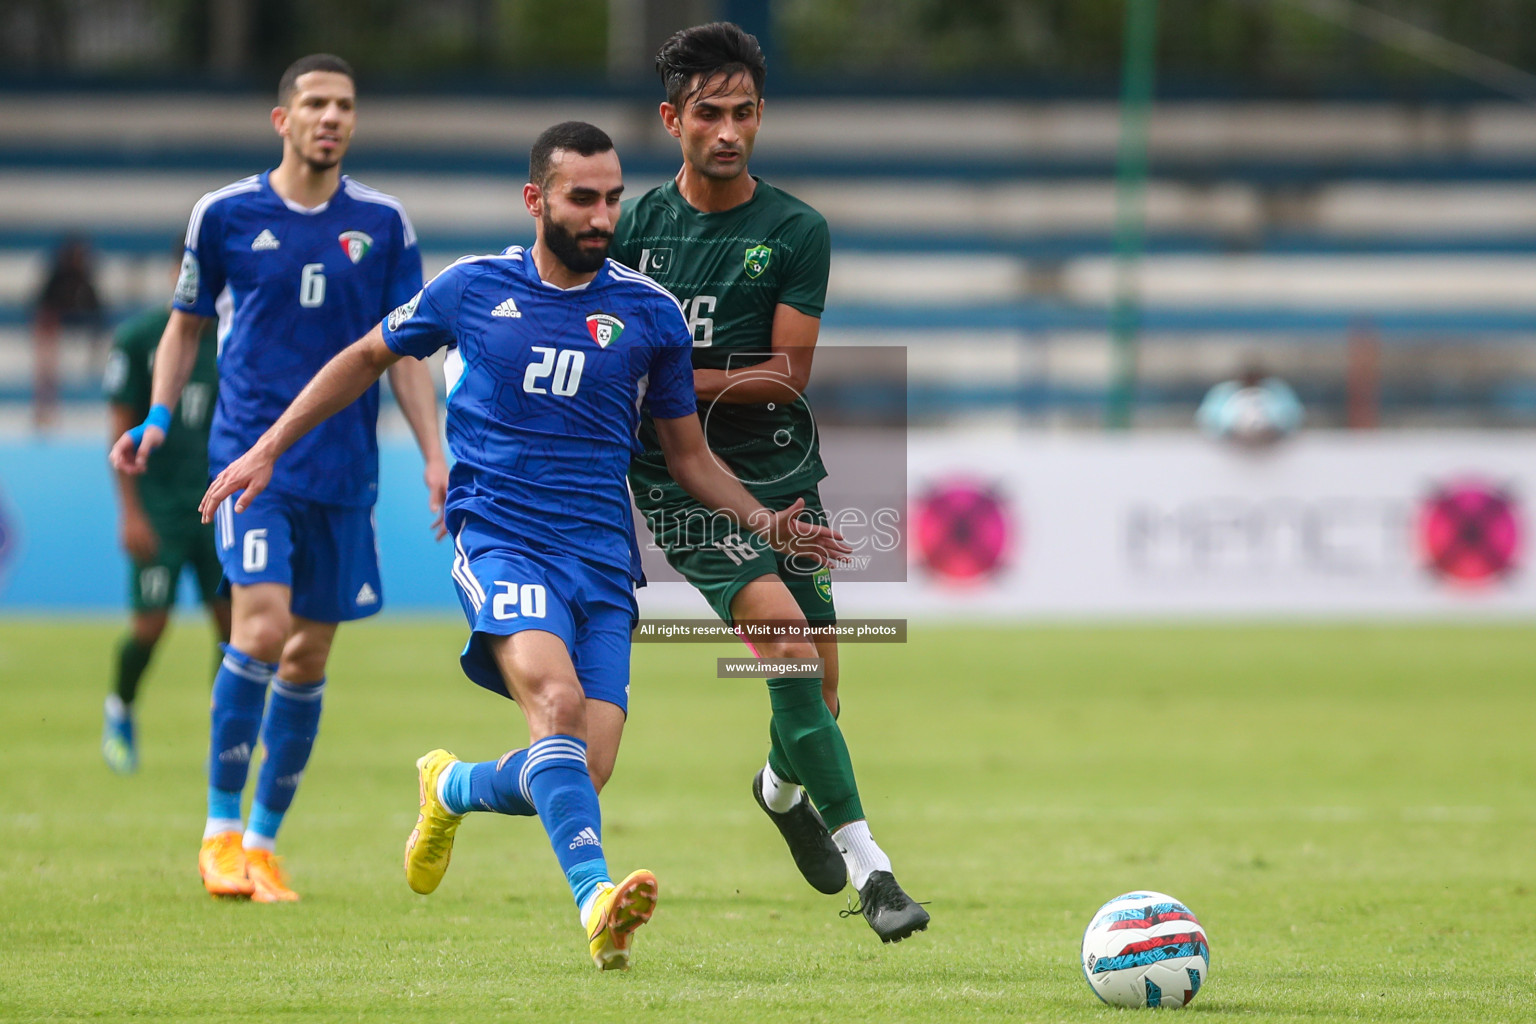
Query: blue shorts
[[325, 554], [506, 587]]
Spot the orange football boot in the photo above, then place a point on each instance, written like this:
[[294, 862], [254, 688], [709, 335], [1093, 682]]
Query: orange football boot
[[269, 881], [221, 861]]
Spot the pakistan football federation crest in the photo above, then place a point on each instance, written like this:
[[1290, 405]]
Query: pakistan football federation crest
[[824, 584], [604, 328], [355, 244], [757, 260]]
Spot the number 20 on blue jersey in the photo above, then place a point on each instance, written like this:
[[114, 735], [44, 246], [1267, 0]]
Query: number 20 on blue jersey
[[561, 368]]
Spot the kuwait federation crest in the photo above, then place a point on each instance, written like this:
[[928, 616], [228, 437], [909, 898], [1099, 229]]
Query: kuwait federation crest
[[757, 260], [355, 244], [604, 328]]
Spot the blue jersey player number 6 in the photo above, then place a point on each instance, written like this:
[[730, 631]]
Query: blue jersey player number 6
[[538, 505]]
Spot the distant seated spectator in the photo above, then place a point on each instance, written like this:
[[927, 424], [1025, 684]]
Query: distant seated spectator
[[68, 300], [1254, 410]]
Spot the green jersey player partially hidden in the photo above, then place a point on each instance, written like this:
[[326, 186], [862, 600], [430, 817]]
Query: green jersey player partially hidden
[[749, 263], [158, 521]]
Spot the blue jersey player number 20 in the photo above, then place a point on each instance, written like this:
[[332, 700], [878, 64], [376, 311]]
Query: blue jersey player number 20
[[552, 352]]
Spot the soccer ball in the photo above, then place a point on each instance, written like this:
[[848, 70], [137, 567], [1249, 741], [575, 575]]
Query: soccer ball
[[1145, 949]]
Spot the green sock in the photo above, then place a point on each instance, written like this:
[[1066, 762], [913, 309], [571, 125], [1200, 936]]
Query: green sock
[[132, 659], [778, 757], [813, 747]]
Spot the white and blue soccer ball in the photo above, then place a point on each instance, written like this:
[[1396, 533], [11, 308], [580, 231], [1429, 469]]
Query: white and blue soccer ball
[[1145, 949]]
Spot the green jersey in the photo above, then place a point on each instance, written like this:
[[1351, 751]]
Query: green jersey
[[729, 270], [178, 470]]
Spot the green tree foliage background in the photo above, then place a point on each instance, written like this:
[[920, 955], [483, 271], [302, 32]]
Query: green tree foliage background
[[1280, 42], [1264, 43]]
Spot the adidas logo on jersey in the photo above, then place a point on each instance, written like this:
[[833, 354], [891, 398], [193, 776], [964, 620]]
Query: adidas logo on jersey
[[367, 595], [506, 308], [264, 241], [586, 837]]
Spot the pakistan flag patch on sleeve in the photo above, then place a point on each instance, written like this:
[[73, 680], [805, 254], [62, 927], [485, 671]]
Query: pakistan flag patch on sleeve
[[757, 260], [604, 328]]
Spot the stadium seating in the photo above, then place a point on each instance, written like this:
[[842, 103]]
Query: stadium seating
[[978, 232]]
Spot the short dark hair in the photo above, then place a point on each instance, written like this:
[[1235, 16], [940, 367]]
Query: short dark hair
[[704, 51], [577, 136], [303, 66]]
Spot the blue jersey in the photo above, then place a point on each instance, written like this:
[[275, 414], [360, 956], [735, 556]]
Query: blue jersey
[[545, 389], [291, 288]]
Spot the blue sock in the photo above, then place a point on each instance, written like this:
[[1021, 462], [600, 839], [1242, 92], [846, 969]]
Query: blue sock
[[556, 778], [288, 735], [489, 786], [224, 806], [239, 696]]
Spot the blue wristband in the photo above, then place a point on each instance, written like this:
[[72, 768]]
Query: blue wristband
[[159, 416]]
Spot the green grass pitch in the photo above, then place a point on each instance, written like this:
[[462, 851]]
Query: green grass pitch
[[1351, 811]]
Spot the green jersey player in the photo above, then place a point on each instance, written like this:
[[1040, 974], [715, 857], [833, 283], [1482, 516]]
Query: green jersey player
[[158, 522], [749, 264]]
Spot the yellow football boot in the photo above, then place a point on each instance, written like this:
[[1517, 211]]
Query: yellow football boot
[[616, 913], [221, 862], [269, 882], [431, 842]]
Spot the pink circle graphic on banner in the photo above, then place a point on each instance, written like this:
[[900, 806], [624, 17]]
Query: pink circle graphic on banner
[[963, 531], [1469, 532]]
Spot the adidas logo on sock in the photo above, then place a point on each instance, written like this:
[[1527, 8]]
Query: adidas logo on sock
[[506, 307], [265, 240], [236, 755], [586, 837], [367, 595]]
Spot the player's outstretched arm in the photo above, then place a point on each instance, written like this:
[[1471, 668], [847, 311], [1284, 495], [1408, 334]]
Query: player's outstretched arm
[[697, 471], [339, 383], [411, 381], [174, 359]]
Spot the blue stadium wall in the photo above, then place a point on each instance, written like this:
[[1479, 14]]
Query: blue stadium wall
[[58, 532]]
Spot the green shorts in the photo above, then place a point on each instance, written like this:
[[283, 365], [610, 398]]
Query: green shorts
[[185, 543], [718, 558]]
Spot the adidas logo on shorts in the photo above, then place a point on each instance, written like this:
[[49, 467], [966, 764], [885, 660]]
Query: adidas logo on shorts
[[506, 307], [586, 837], [367, 595]]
